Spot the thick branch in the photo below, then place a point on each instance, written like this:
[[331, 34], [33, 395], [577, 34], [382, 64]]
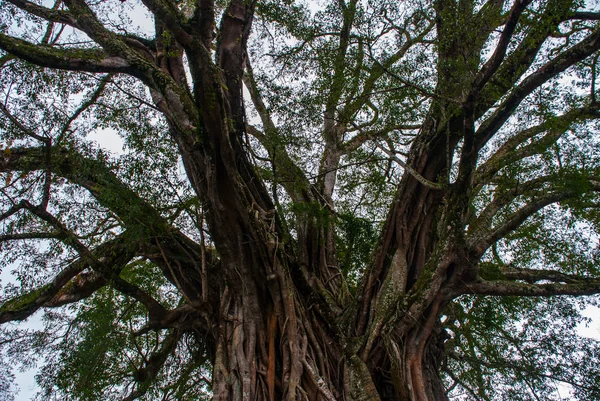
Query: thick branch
[[532, 276], [548, 71], [158, 238], [508, 152], [584, 15], [70, 285], [178, 106], [88, 60], [169, 15], [100, 266], [584, 286], [495, 60], [49, 14]]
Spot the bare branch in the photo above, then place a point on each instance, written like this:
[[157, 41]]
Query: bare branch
[[412, 171]]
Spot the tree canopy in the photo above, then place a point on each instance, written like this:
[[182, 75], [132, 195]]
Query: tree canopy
[[316, 200]]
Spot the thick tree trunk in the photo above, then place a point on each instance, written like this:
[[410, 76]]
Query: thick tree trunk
[[282, 352], [286, 328], [284, 325]]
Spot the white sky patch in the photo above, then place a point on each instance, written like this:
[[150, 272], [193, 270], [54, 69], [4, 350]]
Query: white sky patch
[[108, 139], [25, 379], [592, 329]]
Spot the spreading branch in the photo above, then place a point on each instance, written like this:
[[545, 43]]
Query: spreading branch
[[49, 14], [510, 152], [71, 284], [491, 66], [88, 60], [158, 238], [584, 286], [566, 59]]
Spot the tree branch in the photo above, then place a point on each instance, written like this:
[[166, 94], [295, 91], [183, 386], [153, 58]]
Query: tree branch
[[85, 105], [532, 276], [167, 13], [483, 241], [584, 15], [49, 14], [495, 60], [71, 284], [412, 171], [145, 375], [546, 72], [135, 213], [364, 136], [584, 286], [508, 152], [177, 104], [519, 61], [542, 191], [378, 69], [501, 199], [517, 366], [25, 130], [293, 179], [23, 236], [88, 60]]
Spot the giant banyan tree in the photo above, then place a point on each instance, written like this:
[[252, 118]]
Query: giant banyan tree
[[338, 200]]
